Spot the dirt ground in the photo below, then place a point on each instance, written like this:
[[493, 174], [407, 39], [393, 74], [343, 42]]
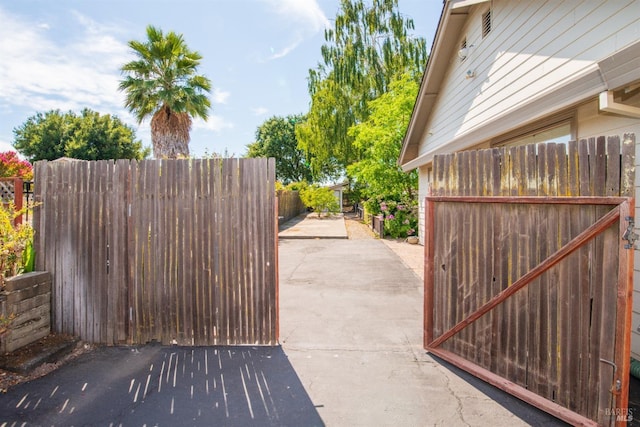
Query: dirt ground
[[356, 229], [9, 379]]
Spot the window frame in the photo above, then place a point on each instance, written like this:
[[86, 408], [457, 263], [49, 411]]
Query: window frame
[[557, 121]]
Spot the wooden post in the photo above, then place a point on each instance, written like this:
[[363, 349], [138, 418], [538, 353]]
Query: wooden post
[[623, 319], [18, 197], [429, 242]]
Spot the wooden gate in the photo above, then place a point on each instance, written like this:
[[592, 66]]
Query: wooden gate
[[529, 272], [178, 251]]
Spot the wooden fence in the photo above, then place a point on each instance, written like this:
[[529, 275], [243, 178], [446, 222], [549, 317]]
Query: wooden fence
[[178, 251], [528, 280], [289, 205]]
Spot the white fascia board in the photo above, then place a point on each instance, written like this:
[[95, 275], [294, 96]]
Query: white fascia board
[[609, 105], [584, 86], [466, 3]]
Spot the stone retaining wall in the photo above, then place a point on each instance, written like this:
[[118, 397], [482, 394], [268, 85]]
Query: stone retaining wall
[[28, 297]]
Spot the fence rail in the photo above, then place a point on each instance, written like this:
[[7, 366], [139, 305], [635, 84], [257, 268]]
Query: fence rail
[[178, 251], [527, 279]]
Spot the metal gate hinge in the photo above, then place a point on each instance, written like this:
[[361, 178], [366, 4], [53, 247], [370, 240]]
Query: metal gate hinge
[[617, 384], [629, 235]]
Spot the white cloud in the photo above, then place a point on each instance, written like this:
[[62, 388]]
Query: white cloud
[[305, 16], [5, 146], [41, 74], [260, 111], [220, 96], [305, 12], [287, 49], [214, 123]]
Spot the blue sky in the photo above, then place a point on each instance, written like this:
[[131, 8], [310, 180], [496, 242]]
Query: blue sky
[[66, 55]]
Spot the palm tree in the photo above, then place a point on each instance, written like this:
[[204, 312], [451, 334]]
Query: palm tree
[[162, 83]]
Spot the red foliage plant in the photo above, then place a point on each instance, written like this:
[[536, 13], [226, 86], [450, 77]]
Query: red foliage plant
[[12, 166]]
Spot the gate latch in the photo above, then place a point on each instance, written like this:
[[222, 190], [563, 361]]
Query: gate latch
[[629, 235]]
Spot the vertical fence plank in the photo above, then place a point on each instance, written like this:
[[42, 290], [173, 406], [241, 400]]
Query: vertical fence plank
[[560, 328], [167, 250], [270, 252], [597, 176]]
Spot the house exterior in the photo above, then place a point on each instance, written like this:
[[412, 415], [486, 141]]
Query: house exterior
[[504, 72], [338, 190]]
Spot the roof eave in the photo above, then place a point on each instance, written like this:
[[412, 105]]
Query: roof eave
[[445, 44]]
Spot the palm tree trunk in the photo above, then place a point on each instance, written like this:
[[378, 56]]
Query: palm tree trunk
[[170, 134]]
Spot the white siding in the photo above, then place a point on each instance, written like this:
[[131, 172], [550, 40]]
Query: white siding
[[424, 182], [533, 48]]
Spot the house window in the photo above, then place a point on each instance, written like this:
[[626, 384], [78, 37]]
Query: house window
[[486, 23], [559, 133]]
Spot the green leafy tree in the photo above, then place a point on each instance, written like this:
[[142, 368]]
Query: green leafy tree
[[388, 190], [379, 139], [320, 199], [276, 138], [88, 136], [323, 135], [163, 84], [369, 47]]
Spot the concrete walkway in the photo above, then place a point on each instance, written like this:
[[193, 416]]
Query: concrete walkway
[[310, 226], [351, 325]]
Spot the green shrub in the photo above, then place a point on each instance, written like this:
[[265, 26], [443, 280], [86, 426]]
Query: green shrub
[[16, 244], [320, 199], [400, 217], [297, 186]]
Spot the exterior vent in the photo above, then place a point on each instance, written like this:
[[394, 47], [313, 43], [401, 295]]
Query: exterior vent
[[463, 52], [486, 23]]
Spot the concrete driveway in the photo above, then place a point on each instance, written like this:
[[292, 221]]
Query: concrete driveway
[[351, 324]]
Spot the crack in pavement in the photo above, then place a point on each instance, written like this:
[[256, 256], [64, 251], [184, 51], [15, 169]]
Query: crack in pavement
[[455, 396]]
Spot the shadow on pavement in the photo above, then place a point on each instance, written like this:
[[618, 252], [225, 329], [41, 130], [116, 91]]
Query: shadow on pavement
[[526, 412], [292, 222], [166, 386]]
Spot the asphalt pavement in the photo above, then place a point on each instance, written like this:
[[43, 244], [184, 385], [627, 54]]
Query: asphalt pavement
[[157, 385]]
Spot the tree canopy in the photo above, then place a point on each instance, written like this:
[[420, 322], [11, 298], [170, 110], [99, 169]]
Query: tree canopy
[[12, 166], [380, 140], [88, 136], [276, 137], [369, 47], [162, 83]]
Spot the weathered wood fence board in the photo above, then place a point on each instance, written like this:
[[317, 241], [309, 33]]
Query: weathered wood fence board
[[554, 337], [289, 205], [169, 250]]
